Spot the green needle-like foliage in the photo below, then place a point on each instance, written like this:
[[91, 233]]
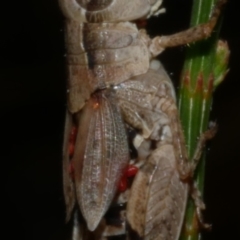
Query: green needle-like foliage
[[205, 67]]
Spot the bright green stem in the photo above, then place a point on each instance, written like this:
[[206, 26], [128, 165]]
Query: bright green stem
[[205, 67]]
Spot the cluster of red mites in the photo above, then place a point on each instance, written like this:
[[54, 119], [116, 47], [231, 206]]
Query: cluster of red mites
[[130, 171]]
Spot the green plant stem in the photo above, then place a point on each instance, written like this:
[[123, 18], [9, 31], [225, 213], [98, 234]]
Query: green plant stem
[[204, 68]]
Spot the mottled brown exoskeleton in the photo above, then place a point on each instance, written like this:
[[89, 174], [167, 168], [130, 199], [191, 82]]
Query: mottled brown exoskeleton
[[112, 85]]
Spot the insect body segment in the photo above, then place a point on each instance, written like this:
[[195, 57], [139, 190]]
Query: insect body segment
[[108, 55], [112, 84]]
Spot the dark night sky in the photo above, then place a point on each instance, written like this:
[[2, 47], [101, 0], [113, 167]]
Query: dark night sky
[[32, 106]]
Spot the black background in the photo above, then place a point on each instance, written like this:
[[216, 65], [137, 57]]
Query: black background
[[32, 106]]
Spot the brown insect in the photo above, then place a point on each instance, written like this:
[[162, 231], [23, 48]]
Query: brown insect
[[113, 86]]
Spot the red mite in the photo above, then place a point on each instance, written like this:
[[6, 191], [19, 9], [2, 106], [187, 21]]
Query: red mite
[[72, 140], [130, 171]]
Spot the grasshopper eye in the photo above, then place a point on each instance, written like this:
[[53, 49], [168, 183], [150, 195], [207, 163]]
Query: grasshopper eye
[[94, 5]]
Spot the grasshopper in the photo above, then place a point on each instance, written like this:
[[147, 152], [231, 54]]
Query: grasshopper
[[114, 83]]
